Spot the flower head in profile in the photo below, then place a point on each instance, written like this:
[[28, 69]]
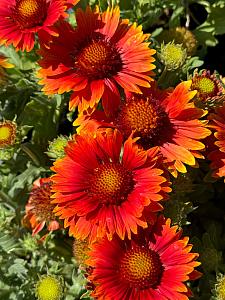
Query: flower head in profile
[[7, 133], [217, 156], [209, 88], [39, 210], [155, 264], [167, 121], [20, 20], [93, 60], [102, 186]]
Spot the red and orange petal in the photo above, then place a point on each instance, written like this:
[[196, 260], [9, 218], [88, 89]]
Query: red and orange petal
[[166, 121], [102, 186], [39, 210], [154, 265], [7, 133], [21, 19], [102, 53]]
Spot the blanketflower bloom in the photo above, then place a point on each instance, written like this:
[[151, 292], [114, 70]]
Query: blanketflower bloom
[[39, 210], [7, 133], [154, 265], [218, 155], [166, 121], [20, 20], [102, 186], [209, 88], [102, 53]]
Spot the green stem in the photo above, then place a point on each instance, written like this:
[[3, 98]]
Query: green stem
[[162, 76]]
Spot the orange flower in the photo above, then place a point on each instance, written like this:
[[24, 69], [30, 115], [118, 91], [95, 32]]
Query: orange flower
[[218, 155], [152, 266], [39, 209], [21, 19], [94, 59], [167, 122], [102, 186]]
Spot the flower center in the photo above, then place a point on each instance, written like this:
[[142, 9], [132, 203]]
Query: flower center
[[49, 288], [111, 183], [7, 133], [141, 267], [41, 202], [98, 59], [29, 13], [143, 116], [205, 85]]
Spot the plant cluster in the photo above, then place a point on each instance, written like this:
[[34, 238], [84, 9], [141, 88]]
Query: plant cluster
[[112, 150]]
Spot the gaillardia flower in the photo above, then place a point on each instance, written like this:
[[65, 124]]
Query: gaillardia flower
[[209, 89], [152, 266], [102, 53], [49, 287], [20, 20], [167, 121], [102, 186], [7, 133], [218, 155], [39, 209]]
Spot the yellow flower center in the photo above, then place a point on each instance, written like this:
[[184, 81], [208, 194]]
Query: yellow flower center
[[205, 85], [111, 183], [7, 133], [141, 267], [98, 59], [49, 288], [28, 8], [173, 56]]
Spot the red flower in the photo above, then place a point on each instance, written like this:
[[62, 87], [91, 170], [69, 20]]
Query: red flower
[[102, 186], [168, 122], [94, 58], [218, 155], [152, 266], [21, 19], [39, 209]]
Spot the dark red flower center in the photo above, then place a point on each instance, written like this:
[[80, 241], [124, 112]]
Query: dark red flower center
[[111, 183], [145, 117], [141, 268], [40, 201], [98, 59], [29, 13]]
